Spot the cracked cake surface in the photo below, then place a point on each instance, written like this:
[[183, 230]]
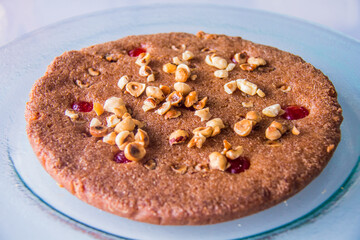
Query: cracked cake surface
[[183, 129]]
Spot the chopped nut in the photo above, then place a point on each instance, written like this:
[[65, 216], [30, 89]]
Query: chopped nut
[[248, 67], [218, 62], [230, 87], [240, 58], [111, 57], [246, 86], [256, 61], [145, 71], [80, 84], [150, 164], [272, 133], [247, 104], [175, 98], [143, 59], [135, 88], [134, 151], [112, 120], [112, 103], [164, 108], [183, 88], [282, 128], [260, 93], [95, 122], [179, 169], [155, 92], [208, 60], [197, 140], [253, 116], [230, 67], [204, 114], [191, 99], [127, 124], [234, 153], [98, 131], [330, 148], [124, 138], [227, 147], [218, 161], [187, 55], [217, 124], [98, 108], [138, 123], [165, 89], [182, 73], [169, 68], [200, 104], [178, 137], [142, 137], [71, 114], [110, 138], [193, 77], [295, 131], [123, 81], [205, 131], [150, 78], [172, 113], [285, 88], [272, 111], [221, 74], [243, 127], [149, 104], [93, 72], [120, 111], [201, 167], [177, 61]]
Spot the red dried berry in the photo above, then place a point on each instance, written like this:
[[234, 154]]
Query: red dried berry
[[295, 112], [120, 158], [238, 165], [82, 106], [136, 52]]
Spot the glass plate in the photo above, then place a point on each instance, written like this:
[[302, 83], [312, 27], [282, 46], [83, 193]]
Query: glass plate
[[32, 199]]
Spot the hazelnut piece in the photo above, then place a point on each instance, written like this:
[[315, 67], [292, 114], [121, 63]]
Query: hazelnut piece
[[98, 131], [135, 88], [123, 139], [178, 137], [183, 88], [218, 161], [142, 137], [200, 104], [243, 127], [205, 131], [150, 164], [234, 153], [175, 98], [191, 99], [134, 151]]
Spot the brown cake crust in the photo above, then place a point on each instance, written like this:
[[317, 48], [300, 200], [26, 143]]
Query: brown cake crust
[[85, 167]]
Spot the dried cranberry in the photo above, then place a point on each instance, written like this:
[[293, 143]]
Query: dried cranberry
[[82, 106], [295, 112], [136, 52], [238, 165], [120, 158]]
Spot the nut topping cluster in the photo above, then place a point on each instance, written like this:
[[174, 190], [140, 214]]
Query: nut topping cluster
[[126, 133], [220, 161]]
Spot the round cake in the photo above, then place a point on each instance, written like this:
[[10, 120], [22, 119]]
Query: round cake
[[183, 129]]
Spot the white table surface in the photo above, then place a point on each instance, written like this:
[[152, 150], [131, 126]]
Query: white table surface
[[18, 17]]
